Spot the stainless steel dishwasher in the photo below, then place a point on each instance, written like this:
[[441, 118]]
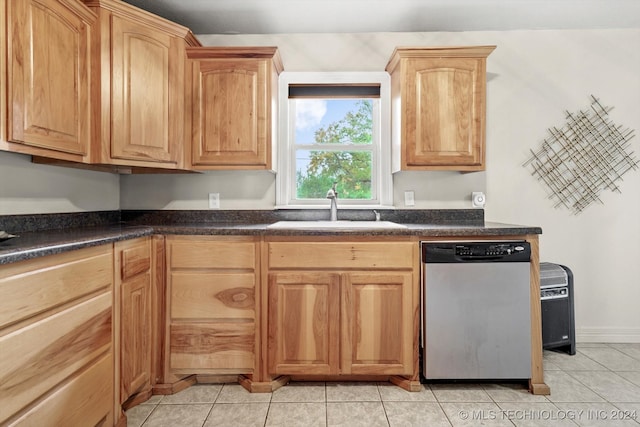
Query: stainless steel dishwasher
[[476, 316]]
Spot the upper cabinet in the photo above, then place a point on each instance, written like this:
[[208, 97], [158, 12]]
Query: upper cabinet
[[234, 105], [438, 108], [141, 83], [48, 104]]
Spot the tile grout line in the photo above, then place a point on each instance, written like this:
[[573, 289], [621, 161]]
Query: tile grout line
[[583, 384], [607, 369], [326, 406], [266, 418], [514, 399], [213, 404], [384, 409], [148, 416], [616, 350], [498, 404], [204, 422], [441, 408]]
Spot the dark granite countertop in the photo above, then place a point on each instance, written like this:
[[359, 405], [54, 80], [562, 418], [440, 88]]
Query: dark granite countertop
[[49, 242], [36, 242], [421, 230]]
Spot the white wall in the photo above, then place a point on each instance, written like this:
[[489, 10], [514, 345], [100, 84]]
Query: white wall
[[237, 189], [539, 76], [27, 188], [533, 77]]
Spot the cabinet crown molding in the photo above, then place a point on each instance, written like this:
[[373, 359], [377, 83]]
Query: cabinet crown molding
[[237, 52], [437, 52], [131, 12], [81, 10]]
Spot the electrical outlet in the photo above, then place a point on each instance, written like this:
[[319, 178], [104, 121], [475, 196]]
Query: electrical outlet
[[409, 199], [214, 200]]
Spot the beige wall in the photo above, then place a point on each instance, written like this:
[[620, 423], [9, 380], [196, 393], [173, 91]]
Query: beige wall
[[27, 188], [533, 77]]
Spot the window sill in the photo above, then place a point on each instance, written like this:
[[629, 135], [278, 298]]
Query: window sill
[[344, 207]]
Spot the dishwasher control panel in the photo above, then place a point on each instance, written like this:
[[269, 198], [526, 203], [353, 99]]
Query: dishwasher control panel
[[506, 251], [490, 249]]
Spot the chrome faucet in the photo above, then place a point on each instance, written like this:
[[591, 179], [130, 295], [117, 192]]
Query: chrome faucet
[[332, 194]]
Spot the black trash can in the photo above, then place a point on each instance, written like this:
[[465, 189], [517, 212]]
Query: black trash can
[[556, 299]]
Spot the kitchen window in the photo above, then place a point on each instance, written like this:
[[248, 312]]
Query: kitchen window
[[334, 128]]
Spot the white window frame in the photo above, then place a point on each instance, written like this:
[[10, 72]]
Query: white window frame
[[382, 179]]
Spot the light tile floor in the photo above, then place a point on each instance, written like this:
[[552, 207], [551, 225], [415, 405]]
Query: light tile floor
[[600, 385]]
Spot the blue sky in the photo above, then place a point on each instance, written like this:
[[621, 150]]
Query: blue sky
[[312, 114]]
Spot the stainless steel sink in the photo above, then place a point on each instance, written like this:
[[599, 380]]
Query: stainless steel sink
[[334, 225]]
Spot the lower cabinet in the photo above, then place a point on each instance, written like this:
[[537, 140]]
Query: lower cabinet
[[211, 304], [77, 335], [82, 400], [338, 318], [57, 364], [349, 323], [79, 331], [304, 329], [135, 321], [377, 323]]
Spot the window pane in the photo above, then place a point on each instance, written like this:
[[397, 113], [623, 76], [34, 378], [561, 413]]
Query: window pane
[[331, 121], [317, 170]]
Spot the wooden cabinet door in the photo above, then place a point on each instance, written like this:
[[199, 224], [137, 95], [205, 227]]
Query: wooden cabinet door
[[445, 110], [304, 318], [234, 96], [135, 315], [438, 107], [377, 323], [231, 113], [49, 66], [135, 335], [147, 94]]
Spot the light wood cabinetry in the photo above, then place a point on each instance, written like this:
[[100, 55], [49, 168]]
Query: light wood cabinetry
[[234, 106], [47, 63], [211, 305], [141, 82], [438, 108], [377, 323], [304, 327], [56, 338], [342, 308], [134, 325], [95, 329]]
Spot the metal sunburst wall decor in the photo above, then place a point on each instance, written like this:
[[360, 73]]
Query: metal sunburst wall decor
[[588, 155]]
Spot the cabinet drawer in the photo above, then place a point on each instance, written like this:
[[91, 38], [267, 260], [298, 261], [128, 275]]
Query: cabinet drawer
[[361, 255], [34, 286], [135, 258], [212, 347], [212, 254], [212, 296], [85, 400], [41, 355]]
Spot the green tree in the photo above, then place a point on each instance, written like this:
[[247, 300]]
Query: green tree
[[350, 169]]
